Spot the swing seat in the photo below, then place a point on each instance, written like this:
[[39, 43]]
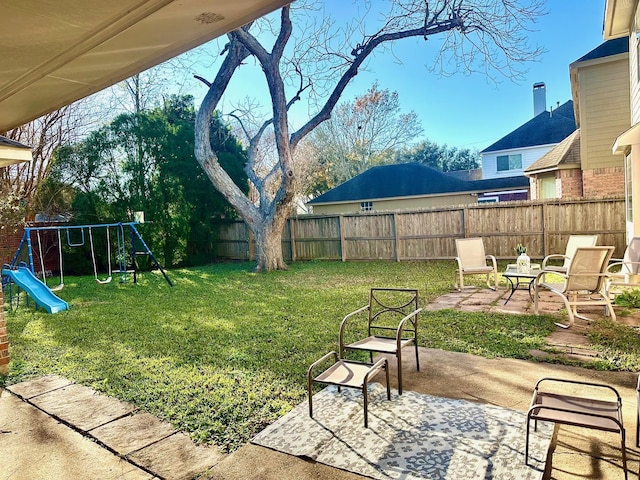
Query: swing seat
[[106, 280]]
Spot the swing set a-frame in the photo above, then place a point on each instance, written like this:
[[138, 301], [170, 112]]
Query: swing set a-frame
[[75, 237]]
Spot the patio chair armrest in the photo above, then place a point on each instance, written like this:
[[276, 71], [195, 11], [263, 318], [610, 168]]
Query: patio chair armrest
[[620, 263], [375, 368], [458, 262], [404, 320], [579, 382], [320, 360], [551, 257], [543, 272], [343, 324], [493, 261]]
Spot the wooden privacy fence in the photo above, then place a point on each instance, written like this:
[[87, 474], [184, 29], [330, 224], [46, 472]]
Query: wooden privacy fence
[[543, 226]]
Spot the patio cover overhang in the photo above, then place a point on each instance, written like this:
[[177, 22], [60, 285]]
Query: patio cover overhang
[[56, 52], [13, 152]]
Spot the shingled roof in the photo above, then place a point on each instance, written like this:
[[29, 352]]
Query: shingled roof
[[567, 152], [410, 180], [543, 129], [606, 49]]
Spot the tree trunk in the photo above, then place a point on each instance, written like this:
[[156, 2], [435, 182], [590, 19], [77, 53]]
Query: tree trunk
[[268, 238]]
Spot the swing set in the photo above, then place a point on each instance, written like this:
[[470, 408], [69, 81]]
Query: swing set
[[75, 237]]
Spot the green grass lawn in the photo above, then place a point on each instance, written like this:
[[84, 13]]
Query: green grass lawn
[[225, 352]]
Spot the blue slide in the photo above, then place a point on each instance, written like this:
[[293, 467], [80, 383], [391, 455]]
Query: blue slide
[[40, 293]]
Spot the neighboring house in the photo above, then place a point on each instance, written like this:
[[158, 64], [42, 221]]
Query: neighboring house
[[582, 164], [513, 153], [621, 21], [411, 186]]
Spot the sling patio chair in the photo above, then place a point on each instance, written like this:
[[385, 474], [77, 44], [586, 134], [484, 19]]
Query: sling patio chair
[[624, 273], [392, 324], [574, 242], [583, 284], [471, 260]]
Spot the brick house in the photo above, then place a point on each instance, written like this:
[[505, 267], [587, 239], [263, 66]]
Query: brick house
[[583, 164]]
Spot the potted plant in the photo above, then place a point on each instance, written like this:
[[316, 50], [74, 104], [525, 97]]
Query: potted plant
[[523, 262]]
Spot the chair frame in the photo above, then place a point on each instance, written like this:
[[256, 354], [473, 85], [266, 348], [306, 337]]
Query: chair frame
[[574, 242], [461, 270], [352, 375], [622, 278], [577, 411], [574, 298], [388, 344]]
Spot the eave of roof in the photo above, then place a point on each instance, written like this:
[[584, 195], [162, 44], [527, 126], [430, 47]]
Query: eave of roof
[[409, 180], [565, 153]]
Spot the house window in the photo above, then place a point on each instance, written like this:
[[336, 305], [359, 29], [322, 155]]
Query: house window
[[488, 200], [509, 162], [366, 206], [547, 187]]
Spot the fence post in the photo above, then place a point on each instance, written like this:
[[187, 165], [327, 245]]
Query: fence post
[[293, 238], [545, 232], [395, 236], [341, 228]]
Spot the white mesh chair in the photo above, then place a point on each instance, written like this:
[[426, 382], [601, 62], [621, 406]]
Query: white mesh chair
[[583, 284], [625, 272], [471, 260], [574, 242]]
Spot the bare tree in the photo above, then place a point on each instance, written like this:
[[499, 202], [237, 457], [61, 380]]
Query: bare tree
[[487, 36], [44, 135], [360, 134]]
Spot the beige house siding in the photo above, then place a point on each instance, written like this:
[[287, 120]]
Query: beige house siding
[[604, 111], [397, 204]]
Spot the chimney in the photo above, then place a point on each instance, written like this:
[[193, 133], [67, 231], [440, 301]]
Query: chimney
[[539, 98]]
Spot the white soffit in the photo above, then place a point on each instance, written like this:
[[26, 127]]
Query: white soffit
[[618, 15], [55, 52], [626, 139], [13, 152]]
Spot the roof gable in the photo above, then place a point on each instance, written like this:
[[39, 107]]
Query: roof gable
[[543, 129], [565, 153]]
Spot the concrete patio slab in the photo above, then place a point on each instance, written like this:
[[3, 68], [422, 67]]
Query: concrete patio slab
[[34, 445], [39, 386], [131, 433], [176, 457], [81, 406]]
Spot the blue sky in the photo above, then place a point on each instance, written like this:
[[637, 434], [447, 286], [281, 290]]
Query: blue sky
[[467, 111]]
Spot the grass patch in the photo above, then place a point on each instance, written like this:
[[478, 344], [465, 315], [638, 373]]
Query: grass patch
[[225, 352]]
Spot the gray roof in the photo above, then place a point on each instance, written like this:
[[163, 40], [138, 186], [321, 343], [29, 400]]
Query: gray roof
[[410, 179], [12, 143], [543, 129], [606, 49]]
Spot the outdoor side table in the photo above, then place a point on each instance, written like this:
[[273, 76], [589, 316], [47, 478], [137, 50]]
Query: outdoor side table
[[344, 373], [517, 278]]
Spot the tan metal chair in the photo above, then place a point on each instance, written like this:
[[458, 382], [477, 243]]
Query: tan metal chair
[[574, 242], [583, 284], [625, 272], [392, 325], [551, 405], [471, 260]]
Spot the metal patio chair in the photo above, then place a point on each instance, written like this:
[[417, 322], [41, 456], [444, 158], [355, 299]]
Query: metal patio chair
[[583, 284], [392, 324], [624, 272], [574, 242]]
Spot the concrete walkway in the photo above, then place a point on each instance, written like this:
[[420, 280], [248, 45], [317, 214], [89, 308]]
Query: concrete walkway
[[51, 428]]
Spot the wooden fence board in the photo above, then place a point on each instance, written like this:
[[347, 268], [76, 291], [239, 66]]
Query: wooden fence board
[[543, 226]]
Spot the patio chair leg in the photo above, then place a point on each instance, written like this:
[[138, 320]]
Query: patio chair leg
[[526, 442], [417, 355], [399, 360], [624, 455]]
